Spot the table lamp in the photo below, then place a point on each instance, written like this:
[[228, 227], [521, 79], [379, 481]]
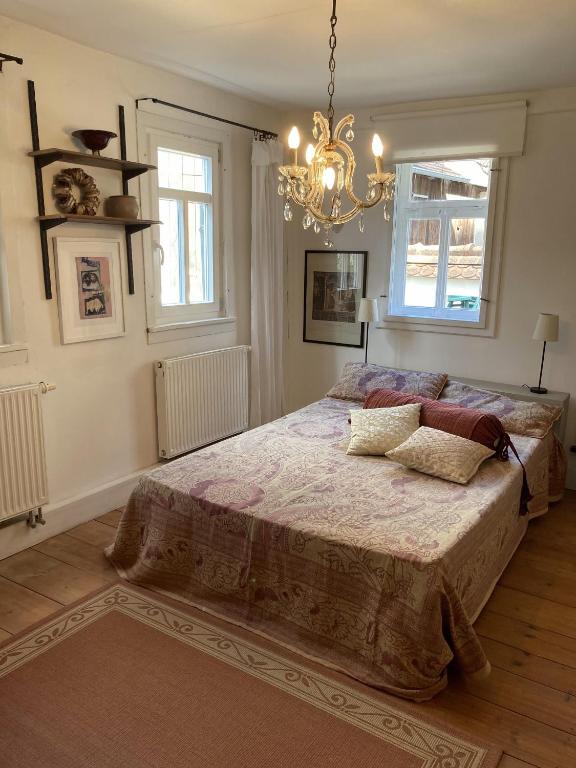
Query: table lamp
[[546, 330], [367, 313]]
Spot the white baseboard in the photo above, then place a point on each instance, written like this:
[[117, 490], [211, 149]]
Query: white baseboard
[[66, 514]]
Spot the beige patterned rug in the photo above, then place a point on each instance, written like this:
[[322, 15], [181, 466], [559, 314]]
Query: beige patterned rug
[[125, 679]]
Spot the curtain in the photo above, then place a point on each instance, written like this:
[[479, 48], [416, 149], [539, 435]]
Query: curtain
[[267, 285]]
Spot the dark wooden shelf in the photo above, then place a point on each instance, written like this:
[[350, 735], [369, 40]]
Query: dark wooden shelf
[[130, 227], [129, 168], [54, 219]]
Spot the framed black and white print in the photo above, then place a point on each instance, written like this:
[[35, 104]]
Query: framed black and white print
[[89, 278], [334, 283]]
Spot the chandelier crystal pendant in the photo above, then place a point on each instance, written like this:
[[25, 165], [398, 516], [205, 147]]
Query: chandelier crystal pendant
[[324, 187]]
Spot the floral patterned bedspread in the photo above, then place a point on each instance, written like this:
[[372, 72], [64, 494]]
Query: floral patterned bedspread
[[356, 561]]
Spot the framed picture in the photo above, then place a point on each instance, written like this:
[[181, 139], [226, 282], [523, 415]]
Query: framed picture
[[90, 298], [334, 283]]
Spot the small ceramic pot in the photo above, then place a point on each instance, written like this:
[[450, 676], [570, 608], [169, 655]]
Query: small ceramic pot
[[122, 206]]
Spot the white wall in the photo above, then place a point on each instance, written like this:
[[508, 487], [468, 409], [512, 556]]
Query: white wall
[[538, 275], [100, 421]]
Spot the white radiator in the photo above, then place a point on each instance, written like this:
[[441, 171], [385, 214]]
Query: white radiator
[[23, 481], [201, 398]]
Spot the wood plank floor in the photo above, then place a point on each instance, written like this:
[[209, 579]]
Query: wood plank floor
[[528, 628]]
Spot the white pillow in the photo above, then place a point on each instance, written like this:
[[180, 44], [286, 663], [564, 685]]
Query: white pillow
[[375, 431], [441, 454]]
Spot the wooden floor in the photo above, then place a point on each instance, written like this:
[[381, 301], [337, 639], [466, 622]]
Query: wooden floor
[[528, 705]]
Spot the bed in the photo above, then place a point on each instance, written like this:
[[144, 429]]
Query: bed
[[371, 568]]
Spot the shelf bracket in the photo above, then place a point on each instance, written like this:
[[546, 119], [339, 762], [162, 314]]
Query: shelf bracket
[[129, 262], [39, 190], [138, 226], [122, 137], [45, 225], [44, 160], [7, 57], [131, 229], [125, 176]]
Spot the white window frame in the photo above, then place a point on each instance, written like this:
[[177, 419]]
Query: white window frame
[[183, 320], [396, 314], [12, 352], [6, 339]]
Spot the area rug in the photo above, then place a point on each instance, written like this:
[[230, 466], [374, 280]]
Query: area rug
[[125, 679]]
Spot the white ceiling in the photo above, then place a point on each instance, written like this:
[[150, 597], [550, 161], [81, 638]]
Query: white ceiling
[[388, 50]]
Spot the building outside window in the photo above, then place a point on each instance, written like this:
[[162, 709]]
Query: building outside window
[[440, 251]]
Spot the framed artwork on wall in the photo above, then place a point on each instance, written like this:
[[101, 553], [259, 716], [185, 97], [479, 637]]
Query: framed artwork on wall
[[334, 283], [90, 300]]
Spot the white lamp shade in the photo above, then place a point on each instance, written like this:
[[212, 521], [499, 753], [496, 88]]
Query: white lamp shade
[[368, 311], [546, 328]]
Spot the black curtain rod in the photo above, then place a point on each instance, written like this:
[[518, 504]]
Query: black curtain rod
[[7, 57], [260, 132]]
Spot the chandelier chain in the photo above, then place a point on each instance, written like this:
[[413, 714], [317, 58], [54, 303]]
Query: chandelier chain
[[332, 65]]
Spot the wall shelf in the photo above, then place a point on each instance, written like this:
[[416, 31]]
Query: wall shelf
[[128, 169], [54, 219]]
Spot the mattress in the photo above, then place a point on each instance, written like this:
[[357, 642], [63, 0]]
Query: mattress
[[355, 561]]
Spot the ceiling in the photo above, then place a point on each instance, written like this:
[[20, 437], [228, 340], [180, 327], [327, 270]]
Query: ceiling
[[388, 50]]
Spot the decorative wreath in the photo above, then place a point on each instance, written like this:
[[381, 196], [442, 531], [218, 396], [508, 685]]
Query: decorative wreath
[[63, 190]]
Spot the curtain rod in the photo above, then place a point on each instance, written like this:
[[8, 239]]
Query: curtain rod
[[260, 133], [7, 57]]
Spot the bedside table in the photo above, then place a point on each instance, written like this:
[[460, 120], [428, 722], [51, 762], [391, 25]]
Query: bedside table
[[561, 399]]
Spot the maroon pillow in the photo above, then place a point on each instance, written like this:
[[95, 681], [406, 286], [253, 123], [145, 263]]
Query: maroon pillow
[[474, 425]]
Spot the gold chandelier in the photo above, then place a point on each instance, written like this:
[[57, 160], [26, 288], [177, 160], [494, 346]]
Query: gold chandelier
[[328, 176]]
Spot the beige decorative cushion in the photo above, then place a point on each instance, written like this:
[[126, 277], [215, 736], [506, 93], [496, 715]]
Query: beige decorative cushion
[[378, 430], [441, 454], [521, 417], [359, 379]]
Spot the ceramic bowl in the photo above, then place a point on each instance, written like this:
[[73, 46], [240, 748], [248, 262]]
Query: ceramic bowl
[[94, 139]]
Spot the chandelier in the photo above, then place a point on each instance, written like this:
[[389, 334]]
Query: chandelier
[[324, 187]]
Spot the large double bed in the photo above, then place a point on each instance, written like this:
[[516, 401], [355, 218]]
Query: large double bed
[[356, 561]]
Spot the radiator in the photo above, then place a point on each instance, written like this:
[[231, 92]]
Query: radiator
[[201, 398], [23, 481]]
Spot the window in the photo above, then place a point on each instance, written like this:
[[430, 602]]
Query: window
[[184, 255], [440, 252], [185, 207]]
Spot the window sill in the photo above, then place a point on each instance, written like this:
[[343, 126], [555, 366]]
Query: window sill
[[13, 354], [435, 325], [190, 329]]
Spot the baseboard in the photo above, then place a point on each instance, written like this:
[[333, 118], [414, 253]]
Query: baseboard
[[66, 514]]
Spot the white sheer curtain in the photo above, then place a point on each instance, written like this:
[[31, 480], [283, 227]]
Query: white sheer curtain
[[267, 282]]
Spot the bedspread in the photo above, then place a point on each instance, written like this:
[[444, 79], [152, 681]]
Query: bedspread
[[356, 561]]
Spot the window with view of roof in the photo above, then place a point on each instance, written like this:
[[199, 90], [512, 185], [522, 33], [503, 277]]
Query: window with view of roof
[[440, 249]]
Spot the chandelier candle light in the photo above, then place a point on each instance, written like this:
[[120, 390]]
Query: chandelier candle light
[[324, 187]]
